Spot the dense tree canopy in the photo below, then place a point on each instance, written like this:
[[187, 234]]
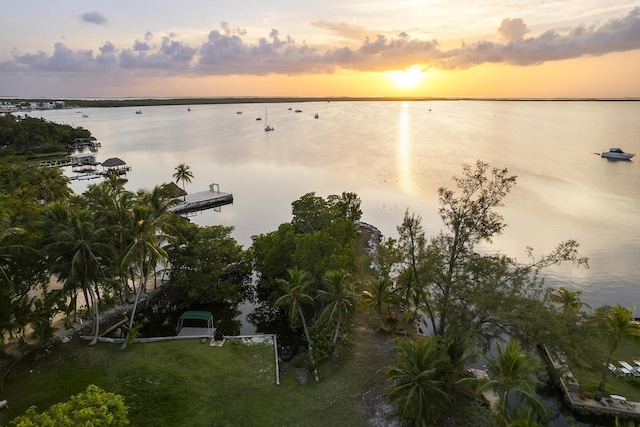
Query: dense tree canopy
[[19, 134], [209, 266], [319, 238], [33, 184]]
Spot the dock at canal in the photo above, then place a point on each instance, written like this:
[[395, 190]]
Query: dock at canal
[[203, 200]]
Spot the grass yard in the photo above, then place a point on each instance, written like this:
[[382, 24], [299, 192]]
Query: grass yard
[[187, 383], [628, 387]]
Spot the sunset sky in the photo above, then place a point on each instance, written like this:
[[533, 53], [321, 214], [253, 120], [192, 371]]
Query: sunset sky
[[428, 48]]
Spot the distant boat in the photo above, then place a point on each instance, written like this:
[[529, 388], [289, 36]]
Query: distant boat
[[258, 118], [267, 128], [316, 116], [188, 108], [85, 116], [138, 111], [617, 154], [289, 108], [239, 112], [298, 111]]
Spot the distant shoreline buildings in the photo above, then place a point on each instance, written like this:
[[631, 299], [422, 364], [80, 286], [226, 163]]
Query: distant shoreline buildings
[[10, 107]]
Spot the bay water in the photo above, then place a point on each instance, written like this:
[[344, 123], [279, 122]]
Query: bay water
[[395, 155]]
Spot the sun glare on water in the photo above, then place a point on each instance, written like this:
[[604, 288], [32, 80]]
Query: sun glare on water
[[407, 78]]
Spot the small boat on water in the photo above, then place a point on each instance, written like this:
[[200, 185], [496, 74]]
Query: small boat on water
[[617, 154], [267, 127], [138, 111], [316, 116]]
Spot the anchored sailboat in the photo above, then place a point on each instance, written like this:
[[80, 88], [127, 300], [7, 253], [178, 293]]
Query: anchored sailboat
[[267, 127]]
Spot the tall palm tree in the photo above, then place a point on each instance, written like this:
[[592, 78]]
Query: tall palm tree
[[78, 250], [512, 372], [420, 381], [297, 288], [341, 300], [7, 231], [183, 173], [159, 200], [113, 205], [148, 223]]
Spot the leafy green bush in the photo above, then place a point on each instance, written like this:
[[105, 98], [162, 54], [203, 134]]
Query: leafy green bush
[[322, 346], [93, 407]]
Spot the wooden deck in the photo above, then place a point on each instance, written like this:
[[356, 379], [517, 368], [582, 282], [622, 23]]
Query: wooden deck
[[203, 200]]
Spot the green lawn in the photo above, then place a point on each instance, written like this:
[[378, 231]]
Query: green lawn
[[628, 387], [185, 382]]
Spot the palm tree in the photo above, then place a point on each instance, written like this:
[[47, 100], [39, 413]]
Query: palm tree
[[159, 200], [297, 288], [512, 370], [183, 173], [525, 418], [569, 300], [49, 184], [617, 326], [341, 300], [78, 250], [113, 205], [148, 221], [420, 381], [6, 232], [379, 295]]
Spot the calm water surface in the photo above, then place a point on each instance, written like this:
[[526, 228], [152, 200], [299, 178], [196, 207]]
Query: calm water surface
[[395, 155]]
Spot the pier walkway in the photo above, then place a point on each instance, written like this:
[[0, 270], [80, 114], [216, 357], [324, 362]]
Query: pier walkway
[[203, 200]]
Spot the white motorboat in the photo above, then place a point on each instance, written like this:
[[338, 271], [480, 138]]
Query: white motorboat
[[617, 154]]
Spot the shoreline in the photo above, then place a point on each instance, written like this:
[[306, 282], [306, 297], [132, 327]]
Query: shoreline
[[161, 101]]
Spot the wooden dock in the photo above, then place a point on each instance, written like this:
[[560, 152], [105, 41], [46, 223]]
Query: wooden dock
[[203, 200]]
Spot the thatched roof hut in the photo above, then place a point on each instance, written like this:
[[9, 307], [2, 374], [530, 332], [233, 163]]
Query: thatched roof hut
[[115, 166], [176, 191], [113, 162]]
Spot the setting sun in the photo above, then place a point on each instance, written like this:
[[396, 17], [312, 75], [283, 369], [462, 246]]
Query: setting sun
[[407, 78]]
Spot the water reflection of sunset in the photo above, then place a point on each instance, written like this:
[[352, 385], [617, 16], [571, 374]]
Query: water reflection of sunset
[[406, 181]]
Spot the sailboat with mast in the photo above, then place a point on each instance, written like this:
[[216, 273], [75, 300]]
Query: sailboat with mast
[[267, 127]]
